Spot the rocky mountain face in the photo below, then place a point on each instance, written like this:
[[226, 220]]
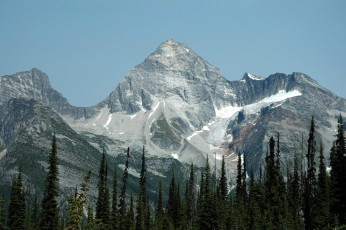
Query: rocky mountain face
[[182, 110]]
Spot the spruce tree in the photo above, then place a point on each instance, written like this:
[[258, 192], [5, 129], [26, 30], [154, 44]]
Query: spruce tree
[[239, 220], [141, 202], [2, 212], [35, 215], [310, 182], [122, 203], [102, 203], [294, 197], [338, 176], [77, 204], [255, 217], [223, 181], [50, 211], [190, 197], [172, 202], [159, 214], [130, 217], [322, 214], [17, 207], [115, 212]]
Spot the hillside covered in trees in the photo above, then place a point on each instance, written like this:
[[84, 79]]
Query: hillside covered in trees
[[309, 195]]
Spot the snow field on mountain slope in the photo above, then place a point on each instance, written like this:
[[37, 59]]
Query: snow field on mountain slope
[[215, 131]]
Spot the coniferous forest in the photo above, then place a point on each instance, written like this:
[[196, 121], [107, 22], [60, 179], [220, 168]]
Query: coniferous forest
[[308, 196]]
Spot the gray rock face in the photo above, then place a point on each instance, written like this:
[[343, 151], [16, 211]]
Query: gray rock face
[[178, 105], [35, 84]]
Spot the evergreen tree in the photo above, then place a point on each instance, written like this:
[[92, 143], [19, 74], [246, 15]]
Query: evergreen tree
[[310, 183], [274, 189], [255, 217], [130, 217], [2, 212], [173, 203], [294, 198], [206, 220], [122, 204], [239, 220], [17, 207], [50, 211], [34, 218], [159, 214], [338, 176], [77, 204], [148, 223], [141, 202], [102, 204], [223, 181], [322, 216], [115, 212], [191, 197]]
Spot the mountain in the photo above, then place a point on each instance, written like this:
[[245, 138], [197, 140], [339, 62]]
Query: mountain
[[26, 129], [182, 109]]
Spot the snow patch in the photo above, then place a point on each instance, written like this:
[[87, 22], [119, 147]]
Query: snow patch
[[133, 116], [108, 121], [174, 155], [155, 108], [227, 112], [3, 153], [253, 77]]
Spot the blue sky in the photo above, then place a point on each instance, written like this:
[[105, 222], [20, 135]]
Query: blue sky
[[87, 46]]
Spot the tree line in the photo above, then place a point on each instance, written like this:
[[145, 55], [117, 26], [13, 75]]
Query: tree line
[[311, 198]]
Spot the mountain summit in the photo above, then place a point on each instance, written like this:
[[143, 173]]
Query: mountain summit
[[179, 106]]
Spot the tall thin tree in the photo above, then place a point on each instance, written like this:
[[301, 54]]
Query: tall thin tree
[[50, 210]]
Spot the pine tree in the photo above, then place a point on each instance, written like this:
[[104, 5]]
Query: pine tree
[[122, 204], [102, 204], [17, 207], [223, 181], [115, 212], [190, 198], [322, 214], [159, 214], [173, 203], [311, 184], [275, 214], [77, 204], [50, 211], [294, 198], [2, 212], [206, 220], [239, 220], [338, 176], [141, 202], [130, 217], [255, 217], [35, 219]]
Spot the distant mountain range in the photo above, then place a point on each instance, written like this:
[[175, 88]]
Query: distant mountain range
[[175, 104]]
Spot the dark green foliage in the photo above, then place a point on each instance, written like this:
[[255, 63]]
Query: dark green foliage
[[115, 211], [190, 198], [255, 220], [322, 212], [338, 176], [130, 217], [77, 204], [294, 198], [223, 181], [310, 182], [122, 204], [141, 202], [174, 203], [50, 211], [102, 204], [274, 189], [17, 207], [2, 212], [159, 214]]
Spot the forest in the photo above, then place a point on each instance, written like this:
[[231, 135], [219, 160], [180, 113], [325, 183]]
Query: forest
[[308, 196]]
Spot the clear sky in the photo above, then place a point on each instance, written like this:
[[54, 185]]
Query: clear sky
[[87, 46]]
